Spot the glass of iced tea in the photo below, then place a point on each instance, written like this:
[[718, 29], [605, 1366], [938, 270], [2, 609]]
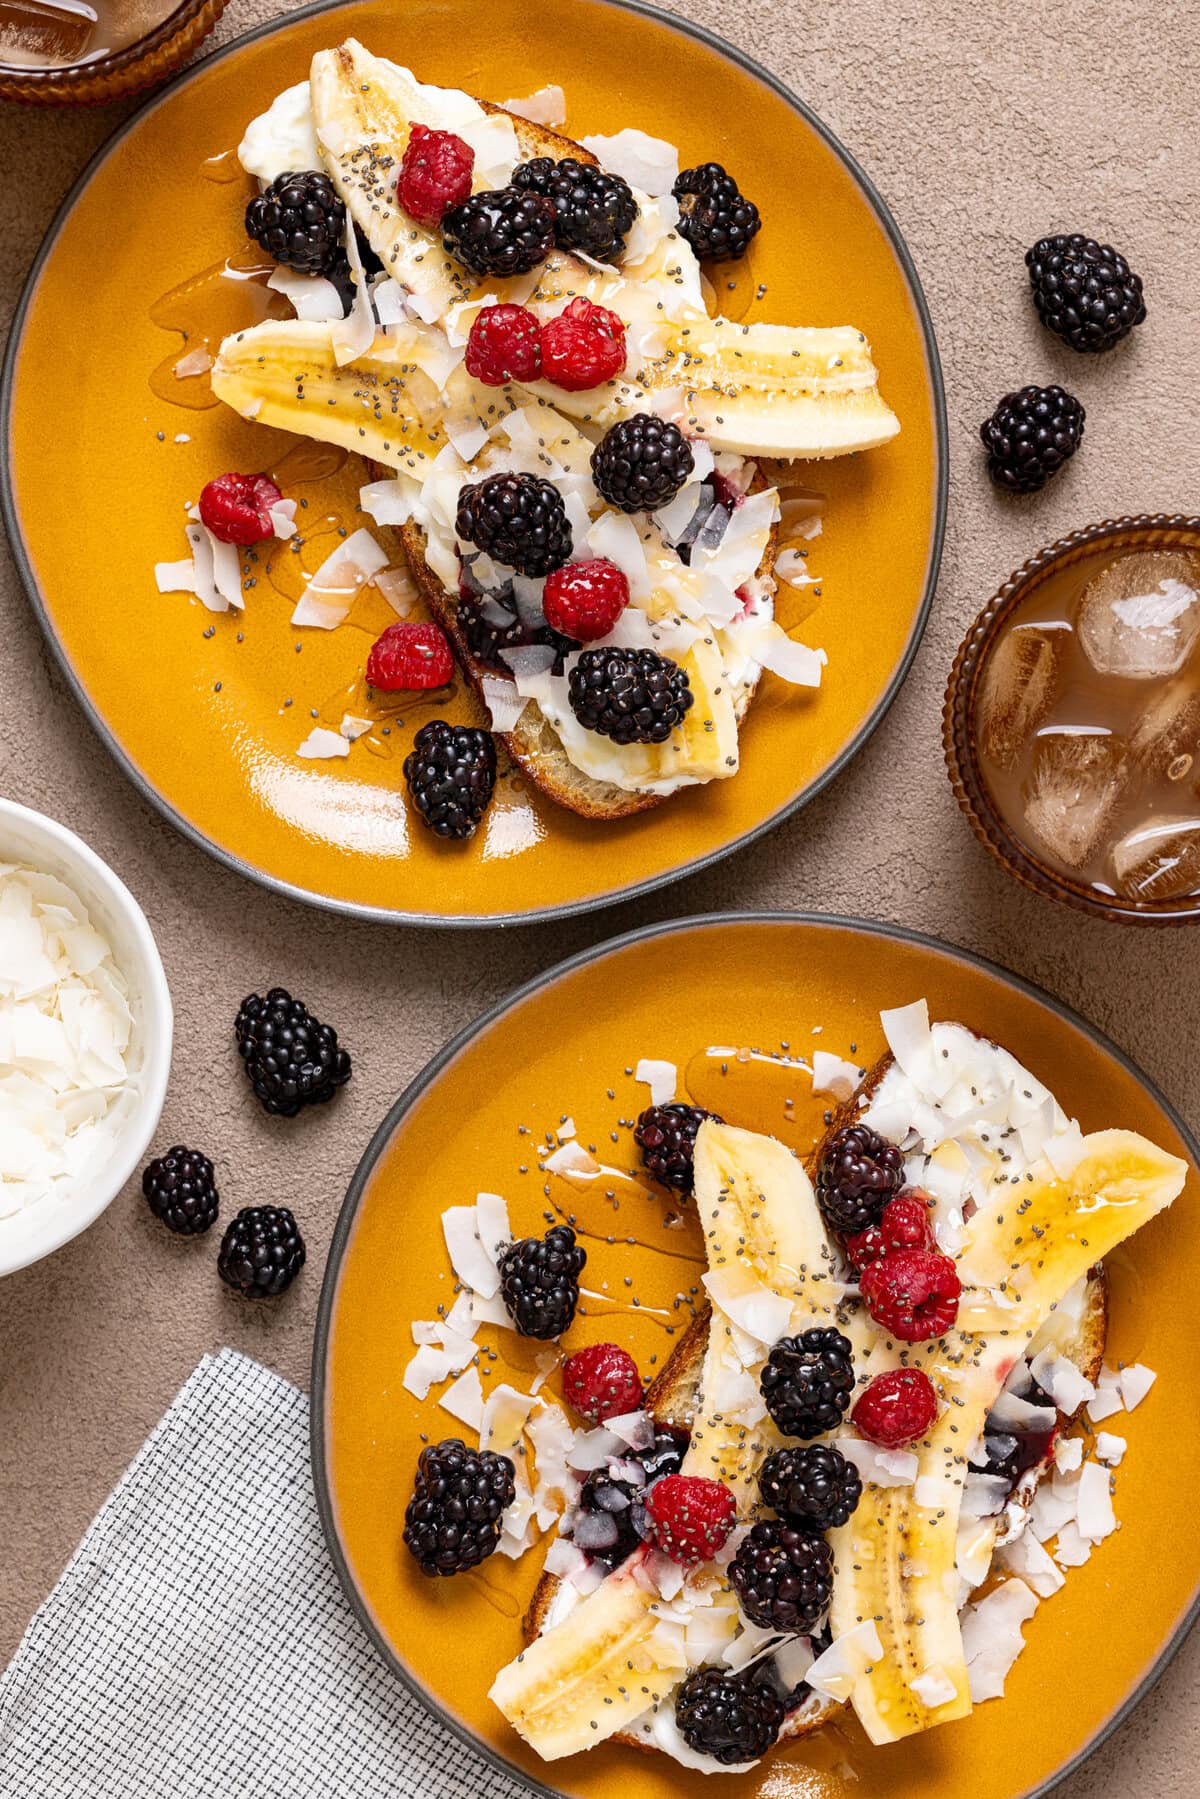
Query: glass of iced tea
[[1072, 721], [59, 52]]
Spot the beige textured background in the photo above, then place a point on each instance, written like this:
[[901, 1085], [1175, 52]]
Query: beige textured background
[[984, 125]]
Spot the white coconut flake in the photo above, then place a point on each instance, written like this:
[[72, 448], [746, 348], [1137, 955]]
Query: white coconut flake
[[175, 577], [751, 1644], [1095, 1515], [1061, 1380], [283, 518], [616, 537], [793, 1660], [992, 1637], [469, 1258], [563, 1559], [1026, 1557], [311, 297], [426, 1369], [227, 570], [662, 1078], [352, 728], [331, 590], [635, 1429], [834, 1074], [491, 1224], [505, 705], [646, 162], [1068, 1455], [571, 1158], [1110, 1449], [1135, 1383], [322, 745], [389, 502], [353, 335], [757, 1309], [882, 1467], [835, 1672], [984, 1495], [934, 1688], [389, 300], [1072, 1549], [196, 362], [547, 107], [765, 641], [1011, 1413]]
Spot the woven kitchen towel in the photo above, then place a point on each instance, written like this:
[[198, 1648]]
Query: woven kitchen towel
[[199, 1646]]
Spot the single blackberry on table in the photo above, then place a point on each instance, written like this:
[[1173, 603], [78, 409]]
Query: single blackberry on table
[[261, 1252], [451, 775], [632, 696], [503, 231], [181, 1190], [624, 1500], [539, 1281], [641, 463], [666, 1136], [732, 1717], [1030, 435], [808, 1382], [291, 1058], [519, 520], [783, 1576], [859, 1173], [454, 1517], [717, 221], [299, 221], [815, 1487], [1085, 292], [593, 210]]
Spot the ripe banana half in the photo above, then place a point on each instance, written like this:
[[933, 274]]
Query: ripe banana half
[[598, 1670], [895, 1559]]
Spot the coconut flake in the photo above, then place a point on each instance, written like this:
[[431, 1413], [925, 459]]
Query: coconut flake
[[353, 335], [283, 518], [311, 297], [648, 163], [1109, 1449], [1135, 1383], [934, 1688], [1012, 1413], [322, 745], [427, 1369], [547, 107], [661, 1077], [352, 728], [564, 1559], [176, 577], [389, 502], [592, 1449], [196, 362], [572, 1158], [762, 1313], [984, 1495], [615, 537], [833, 1074], [1095, 1509], [765, 641], [1026, 1557], [330, 592], [835, 1672], [1072, 1549], [992, 1638], [469, 1257], [505, 705], [882, 1467], [1061, 1380], [635, 1429], [1068, 1455]]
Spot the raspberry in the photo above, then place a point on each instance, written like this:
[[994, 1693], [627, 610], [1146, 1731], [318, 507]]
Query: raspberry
[[505, 345], [896, 1408], [689, 1517], [584, 600], [410, 656], [913, 1293], [583, 347], [602, 1381], [435, 174], [237, 508], [904, 1224]]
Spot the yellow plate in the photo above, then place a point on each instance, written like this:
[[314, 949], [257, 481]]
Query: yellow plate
[[194, 707], [473, 1122]]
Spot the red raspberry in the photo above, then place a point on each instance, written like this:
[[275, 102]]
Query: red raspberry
[[409, 656], [913, 1293], [895, 1408], [237, 508], [904, 1224], [689, 1517], [505, 345], [865, 1247], [435, 174], [583, 347], [584, 600], [602, 1381]]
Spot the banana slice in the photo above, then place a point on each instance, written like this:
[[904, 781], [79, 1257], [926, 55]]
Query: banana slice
[[895, 1559], [598, 1670]]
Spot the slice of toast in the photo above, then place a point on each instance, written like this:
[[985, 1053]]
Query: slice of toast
[[673, 1397]]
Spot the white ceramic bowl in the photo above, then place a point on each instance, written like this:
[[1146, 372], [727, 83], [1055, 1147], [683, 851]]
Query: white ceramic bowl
[[31, 838]]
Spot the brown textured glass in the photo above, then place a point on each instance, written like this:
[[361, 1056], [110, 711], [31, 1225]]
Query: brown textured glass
[[128, 71], [1147, 531]]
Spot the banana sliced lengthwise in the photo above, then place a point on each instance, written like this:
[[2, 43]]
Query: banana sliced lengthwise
[[895, 1559], [599, 1669]]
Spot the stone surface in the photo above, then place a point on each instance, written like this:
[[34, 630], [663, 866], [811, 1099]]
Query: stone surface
[[984, 127]]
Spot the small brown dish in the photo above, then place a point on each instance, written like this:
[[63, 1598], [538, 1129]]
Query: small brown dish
[[1072, 721], [45, 59]]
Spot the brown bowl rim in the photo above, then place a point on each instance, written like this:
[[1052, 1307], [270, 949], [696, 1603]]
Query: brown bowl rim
[[121, 72], [962, 764]]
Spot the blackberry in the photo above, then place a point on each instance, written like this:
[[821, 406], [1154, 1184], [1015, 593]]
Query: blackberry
[[291, 1058], [519, 520], [732, 1717], [453, 1519], [181, 1190], [622, 1500], [261, 1252], [1085, 292], [859, 1173], [1030, 435], [641, 463], [299, 221], [593, 210], [717, 221], [451, 775], [490, 623], [632, 696], [503, 231], [815, 1487], [808, 1382], [539, 1281], [666, 1136], [783, 1576]]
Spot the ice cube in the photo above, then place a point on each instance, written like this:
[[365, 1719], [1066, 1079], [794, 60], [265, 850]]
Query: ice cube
[[1020, 680], [1140, 616], [1166, 738], [37, 32], [1073, 791], [1160, 860]]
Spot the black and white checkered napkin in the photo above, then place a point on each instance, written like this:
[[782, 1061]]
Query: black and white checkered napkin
[[199, 1646]]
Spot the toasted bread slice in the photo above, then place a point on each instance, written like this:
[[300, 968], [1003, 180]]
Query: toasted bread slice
[[673, 1397]]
